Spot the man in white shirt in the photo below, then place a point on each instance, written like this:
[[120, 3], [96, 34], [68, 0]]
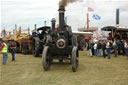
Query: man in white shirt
[[95, 49], [126, 48], [108, 49]]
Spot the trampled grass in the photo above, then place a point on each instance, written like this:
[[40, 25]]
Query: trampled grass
[[28, 70]]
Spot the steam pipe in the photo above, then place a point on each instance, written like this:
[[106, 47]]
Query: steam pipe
[[35, 26], [53, 23]]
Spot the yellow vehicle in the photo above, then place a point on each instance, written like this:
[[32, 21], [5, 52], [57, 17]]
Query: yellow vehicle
[[23, 44]]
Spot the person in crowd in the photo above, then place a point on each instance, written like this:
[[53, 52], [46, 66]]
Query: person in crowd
[[95, 48], [122, 47], [4, 49], [108, 49], [89, 48], [126, 48], [104, 49], [115, 47], [82, 44], [99, 49], [118, 46], [92, 48], [85, 47], [12, 49]]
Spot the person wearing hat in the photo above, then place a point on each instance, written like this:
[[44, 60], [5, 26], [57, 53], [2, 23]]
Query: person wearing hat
[[4, 49]]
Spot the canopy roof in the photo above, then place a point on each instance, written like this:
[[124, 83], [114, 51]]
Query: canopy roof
[[43, 28], [109, 28]]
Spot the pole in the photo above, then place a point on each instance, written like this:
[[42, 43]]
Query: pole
[[15, 28], [35, 26], [87, 22], [45, 23], [117, 17], [28, 30]]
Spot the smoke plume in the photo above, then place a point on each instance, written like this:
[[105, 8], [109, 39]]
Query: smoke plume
[[66, 2]]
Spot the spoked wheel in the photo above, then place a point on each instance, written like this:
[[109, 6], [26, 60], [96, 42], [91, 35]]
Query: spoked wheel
[[74, 59], [35, 52], [35, 47], [46, 60]]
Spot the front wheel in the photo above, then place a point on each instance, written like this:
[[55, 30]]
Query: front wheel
[[74, 59], [46, 61], [36, 47]]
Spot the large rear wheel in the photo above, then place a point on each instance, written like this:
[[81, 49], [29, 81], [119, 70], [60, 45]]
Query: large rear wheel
[[46, 60], [74, 59]]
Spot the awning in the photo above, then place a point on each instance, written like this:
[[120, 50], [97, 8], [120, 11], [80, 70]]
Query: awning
[[108, 28]]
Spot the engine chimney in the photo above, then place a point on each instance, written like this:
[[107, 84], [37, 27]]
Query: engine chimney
[[61, 18], [117, 17], [53, 23], [35, 26]]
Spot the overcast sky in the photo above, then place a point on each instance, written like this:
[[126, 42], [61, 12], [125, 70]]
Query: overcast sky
[[26, 13]]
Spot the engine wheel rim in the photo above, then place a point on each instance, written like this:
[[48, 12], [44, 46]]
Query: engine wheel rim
[[46, 61], [74, 59]]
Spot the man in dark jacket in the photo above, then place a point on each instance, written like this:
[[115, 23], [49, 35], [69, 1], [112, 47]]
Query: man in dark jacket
[[104, 48], [99, 48], [118, 46], [115, 47], [12, 49], [92, 48]]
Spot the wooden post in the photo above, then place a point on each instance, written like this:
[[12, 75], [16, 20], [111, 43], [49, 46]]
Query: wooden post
[[19, 29], [28, 30], [15, 29]]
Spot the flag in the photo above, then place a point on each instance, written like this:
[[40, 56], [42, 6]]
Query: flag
[[97, 17], [90, 9]]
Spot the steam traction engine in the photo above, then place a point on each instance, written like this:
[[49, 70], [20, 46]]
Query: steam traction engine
[[39, 39], [61, 44]]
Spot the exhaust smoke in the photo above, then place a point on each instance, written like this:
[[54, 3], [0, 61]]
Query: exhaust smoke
[[66, 2]]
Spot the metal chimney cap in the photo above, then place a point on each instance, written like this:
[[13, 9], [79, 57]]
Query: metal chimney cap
[[53, 20], [61, 8]]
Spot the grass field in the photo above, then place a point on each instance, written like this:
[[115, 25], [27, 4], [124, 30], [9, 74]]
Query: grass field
[[28, 70]]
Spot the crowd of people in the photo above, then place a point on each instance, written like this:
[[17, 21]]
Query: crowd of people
[[106, 48], [101, 48]]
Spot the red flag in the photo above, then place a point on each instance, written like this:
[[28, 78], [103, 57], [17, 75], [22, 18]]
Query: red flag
[[90, 9]]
